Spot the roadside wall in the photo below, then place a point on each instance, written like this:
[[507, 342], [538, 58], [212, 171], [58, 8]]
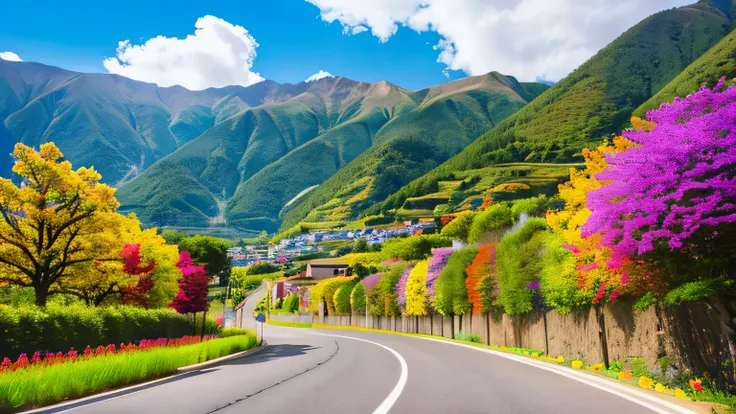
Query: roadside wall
[[691, 335]]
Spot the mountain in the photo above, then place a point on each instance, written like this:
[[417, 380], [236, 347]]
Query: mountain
[[442, 122], [247, 169], [719, 61], [119, 125], [590, 104]]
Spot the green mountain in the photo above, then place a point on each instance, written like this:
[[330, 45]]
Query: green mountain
[[116, 124], [718, 62], [244, 171], [442, 121], [587, 106]]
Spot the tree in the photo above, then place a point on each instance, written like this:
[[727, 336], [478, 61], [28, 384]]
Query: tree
[[193, 287], [676, 184], [173, 236], [361, 246], [207, 251], [50, 223]]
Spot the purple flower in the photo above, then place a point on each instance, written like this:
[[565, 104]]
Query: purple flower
[[533, 286], [371, 280], [401, 288], [571, 248], [439, 261], [677, 180]]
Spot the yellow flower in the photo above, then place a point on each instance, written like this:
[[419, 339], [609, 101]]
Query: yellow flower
[[560, 359], [680, 394], [645, 382], [660, 388], [535, 354], [621, 376], [598, 367], [577, 364]]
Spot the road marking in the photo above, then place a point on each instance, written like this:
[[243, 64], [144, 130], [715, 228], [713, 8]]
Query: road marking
[[390, 400], [623, 391]]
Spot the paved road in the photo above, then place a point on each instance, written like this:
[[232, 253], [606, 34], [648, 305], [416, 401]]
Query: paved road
[[336, 371]]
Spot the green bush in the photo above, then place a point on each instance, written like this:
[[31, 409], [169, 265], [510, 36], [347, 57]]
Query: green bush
[[639, 368], [459, 228], [241, 277], [470, 337], [43, 385], [413, 248], [532, 206], [262, 305], [451, 293], [262, 268], [342, 298], [381, 299], [357, 299], [495, 217], [518, 263], [291, 303], [325, 291], [59, 328]]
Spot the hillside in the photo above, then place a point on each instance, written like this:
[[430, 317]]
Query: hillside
[[719, 61], [244, 171], [116, 124], [591, 103], [446, 119]]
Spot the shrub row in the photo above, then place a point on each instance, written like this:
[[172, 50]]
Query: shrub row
[[29, 328]]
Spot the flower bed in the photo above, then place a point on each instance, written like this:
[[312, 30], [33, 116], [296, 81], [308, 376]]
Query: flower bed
[[49, 358], [39, 385]]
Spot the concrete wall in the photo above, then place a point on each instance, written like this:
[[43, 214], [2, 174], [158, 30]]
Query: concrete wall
[[692, 335]]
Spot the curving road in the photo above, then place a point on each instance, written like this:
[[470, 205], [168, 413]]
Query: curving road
[[331, 371]]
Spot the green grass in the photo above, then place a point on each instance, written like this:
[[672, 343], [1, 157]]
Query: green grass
[[289, 324], [38, 386]]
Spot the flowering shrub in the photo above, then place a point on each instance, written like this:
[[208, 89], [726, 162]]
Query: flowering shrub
[[481, 279], [416, 290], [357, 299], [676, 181], [646, 382], [401, 287], [438, 262], [325, 291], [451, 292], [49, 358]]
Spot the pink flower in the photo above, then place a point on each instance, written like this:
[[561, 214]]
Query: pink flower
[[613, 296], [571, 248], [601, 292], [625, 278]]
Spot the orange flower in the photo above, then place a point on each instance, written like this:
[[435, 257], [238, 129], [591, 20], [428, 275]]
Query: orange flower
[[598, 367], [696, 385]]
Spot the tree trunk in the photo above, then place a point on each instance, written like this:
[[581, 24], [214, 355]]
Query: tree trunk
[[194, 324], [204, 323], [42, 295]]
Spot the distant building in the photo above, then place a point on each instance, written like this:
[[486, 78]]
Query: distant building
[[319, 271]]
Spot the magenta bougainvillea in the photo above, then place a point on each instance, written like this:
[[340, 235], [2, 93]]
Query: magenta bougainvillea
[[439, 260], [678, 180], [193, 286]]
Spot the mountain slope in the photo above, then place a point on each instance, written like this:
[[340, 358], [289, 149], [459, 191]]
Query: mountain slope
[[116, 124], [719, 61], [446, 118], [245, 170], [594, 101]]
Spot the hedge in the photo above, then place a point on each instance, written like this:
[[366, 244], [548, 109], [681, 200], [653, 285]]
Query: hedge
[[381, 297], [291, 303], [451, 293], [494, 218], [413, 248], [416, 290], [325, 290], [342, 298], [357, 299], [29, 328]]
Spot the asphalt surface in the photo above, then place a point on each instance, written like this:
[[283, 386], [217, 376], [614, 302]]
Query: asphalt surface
[[341, 371]]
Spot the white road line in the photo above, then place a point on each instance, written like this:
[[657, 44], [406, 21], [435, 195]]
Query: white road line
[[390, 400], [622, 391]]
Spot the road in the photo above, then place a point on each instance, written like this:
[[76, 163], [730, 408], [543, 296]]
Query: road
[[340, 371]]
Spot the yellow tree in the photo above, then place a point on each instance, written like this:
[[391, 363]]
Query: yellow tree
[[591, 256], [51, 224]]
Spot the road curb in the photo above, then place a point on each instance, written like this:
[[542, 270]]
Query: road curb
[[226, 358]]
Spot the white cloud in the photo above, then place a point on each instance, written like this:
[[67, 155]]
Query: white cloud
[[217, 54], [10, 57], [524, 38], [319, 75]]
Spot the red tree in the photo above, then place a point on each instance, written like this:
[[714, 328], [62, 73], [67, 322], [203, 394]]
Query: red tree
[[193, 286], [136, 294]]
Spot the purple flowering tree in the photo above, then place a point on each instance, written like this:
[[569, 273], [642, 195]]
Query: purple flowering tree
[[400, 290], [678, 182], [439, 260]]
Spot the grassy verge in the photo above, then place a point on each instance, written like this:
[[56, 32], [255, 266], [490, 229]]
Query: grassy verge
[[39, 386], [293, 324]]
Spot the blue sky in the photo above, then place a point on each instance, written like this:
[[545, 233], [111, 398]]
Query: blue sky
[[411, 43], [294, 42]]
